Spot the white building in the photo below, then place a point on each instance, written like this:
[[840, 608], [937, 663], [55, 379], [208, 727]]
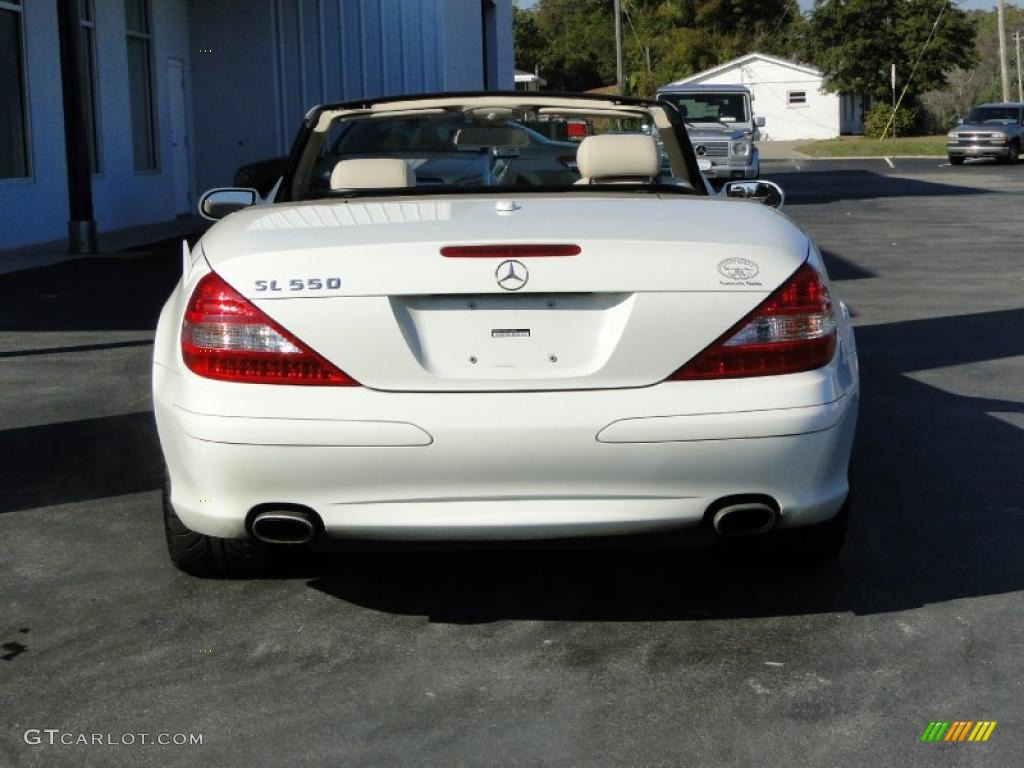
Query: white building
[[179, 93], [789, 96]]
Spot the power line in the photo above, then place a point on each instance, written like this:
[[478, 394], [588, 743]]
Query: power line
[[646, 50], [913, 70], [785, 13]]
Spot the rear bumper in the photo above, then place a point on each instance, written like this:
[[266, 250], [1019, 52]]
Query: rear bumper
[[514, 466]]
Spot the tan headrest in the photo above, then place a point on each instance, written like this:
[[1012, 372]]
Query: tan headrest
[[372, 173], [618, 156]]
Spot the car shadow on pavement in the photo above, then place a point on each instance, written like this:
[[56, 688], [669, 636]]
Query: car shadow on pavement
[[70, 461], [816, 187], [938, 515], [840, 269], [98, 293], [79, 460]]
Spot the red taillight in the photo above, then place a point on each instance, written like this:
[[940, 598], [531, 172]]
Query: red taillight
[[793, 330], [576, 130], [509, 251], [224, 336]]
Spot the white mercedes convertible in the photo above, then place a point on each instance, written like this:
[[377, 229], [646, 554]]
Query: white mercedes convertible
[[443, 326]]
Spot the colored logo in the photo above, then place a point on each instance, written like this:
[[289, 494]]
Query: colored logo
[[958, 730]]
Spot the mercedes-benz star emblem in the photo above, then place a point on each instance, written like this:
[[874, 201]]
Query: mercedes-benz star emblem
[[512, 275], [700, 150]]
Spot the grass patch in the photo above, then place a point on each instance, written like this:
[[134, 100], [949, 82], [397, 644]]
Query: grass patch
[[859, 146]]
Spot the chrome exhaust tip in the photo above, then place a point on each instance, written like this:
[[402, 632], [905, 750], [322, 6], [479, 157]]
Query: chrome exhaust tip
[[744, 519], [284, 526]]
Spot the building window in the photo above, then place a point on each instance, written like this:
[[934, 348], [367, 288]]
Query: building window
[[13, 133], [140, 83], [796, 98], [89, 97]]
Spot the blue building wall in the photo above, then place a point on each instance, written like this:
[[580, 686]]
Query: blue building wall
[[122, 196], [274, 59], [35, 209], [252, 68]]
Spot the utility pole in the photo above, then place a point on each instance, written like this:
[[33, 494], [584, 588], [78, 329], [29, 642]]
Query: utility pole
[[1020, 81], [1004, 68], [620, 70]]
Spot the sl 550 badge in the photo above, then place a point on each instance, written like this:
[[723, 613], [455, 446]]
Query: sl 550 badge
[[300, 284]]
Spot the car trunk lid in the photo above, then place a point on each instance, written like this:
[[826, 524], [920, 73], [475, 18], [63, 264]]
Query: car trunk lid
[[367, 286]]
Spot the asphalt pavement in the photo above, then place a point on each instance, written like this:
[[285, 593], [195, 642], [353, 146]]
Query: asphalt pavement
[[520, 658]]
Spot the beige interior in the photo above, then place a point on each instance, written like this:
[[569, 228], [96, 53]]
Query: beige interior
[[617, 158], [372, 173], [543, 104]]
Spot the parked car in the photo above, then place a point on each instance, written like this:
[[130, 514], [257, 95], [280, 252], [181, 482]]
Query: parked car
[[415, 354], [721, 125], [990, 130]]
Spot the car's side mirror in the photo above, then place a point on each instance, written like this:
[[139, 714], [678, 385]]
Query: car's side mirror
[[959, 120], [217, 203], [759, 121], [766, 192]]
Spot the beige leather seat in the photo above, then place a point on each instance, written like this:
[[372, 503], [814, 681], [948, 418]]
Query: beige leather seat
[[372, 173], [617, 159]]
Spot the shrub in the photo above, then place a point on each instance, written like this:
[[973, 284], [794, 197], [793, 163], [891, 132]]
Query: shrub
[[877, 118]]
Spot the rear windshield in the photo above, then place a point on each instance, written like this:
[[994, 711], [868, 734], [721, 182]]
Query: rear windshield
[[709, 107], [994, 115], [452, 151]]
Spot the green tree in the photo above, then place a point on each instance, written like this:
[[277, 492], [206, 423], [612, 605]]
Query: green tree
[[970, 86], [989, 82], [669, 39], [855, 42], [572, 41], [528, 42]]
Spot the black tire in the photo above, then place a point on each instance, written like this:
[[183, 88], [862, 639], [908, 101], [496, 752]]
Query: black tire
[[1014, 156], [956, 160], [210, 557]]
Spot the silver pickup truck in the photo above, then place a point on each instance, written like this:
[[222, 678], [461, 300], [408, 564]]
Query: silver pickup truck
[[990, 130], [721, 126]]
